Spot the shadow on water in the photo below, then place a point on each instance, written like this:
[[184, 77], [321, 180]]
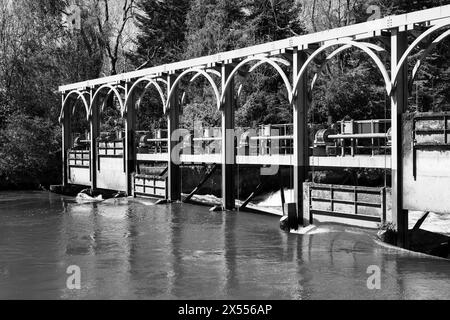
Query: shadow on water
[[128, 248]]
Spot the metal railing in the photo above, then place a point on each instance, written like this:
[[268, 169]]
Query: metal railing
[[262, 140], [274, 139], [355, 137], [155, 142], [359, 137]]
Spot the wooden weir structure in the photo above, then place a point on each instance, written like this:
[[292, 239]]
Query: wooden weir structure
[[114, 164]]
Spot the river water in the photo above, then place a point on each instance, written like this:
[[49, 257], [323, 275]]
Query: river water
[[132, 249]]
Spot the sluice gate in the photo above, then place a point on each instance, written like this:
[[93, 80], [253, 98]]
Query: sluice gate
[[148, 163]]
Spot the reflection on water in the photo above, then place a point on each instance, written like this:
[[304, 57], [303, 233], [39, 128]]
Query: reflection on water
[[132, 249]]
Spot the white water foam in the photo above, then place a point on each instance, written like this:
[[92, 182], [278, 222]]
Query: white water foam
[[435, 222], [274, 199]]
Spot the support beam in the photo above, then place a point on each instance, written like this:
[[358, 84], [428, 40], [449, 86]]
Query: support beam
[[251, 196], [94, 123], [399, 103], [228, 152], [301, 148], [66, 143], [173, 119], [421, 221], [130, 145]]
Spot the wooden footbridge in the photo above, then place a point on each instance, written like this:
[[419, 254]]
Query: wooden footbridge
[[113, 164]]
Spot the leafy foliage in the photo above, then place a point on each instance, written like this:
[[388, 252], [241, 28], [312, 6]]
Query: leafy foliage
[[162, 32], [37, 54]]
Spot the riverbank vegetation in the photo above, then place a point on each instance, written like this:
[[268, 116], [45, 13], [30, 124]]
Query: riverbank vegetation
[[44, 44]]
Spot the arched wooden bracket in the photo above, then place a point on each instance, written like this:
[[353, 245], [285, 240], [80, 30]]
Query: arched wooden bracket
[[197, 72], [211, 71], [347, 44], [260, 60], [135, 87], [80, 95], [335, 53], [414, 44], [113, 90], [425, 54]]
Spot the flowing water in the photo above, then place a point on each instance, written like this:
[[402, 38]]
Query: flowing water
[[132, 249]]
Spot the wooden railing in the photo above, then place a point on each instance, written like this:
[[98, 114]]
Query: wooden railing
[[362, 203]]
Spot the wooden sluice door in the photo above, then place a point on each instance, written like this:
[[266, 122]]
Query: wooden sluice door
[[78, 167], [359, 206]]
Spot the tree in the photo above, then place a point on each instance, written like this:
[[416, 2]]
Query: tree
[[215, 26], [29, 155], [321, 15], [29, 105], [404, 6], [112, 23], [430, 91], [272, 20], [37, 55], [218, 25], [264, 97]]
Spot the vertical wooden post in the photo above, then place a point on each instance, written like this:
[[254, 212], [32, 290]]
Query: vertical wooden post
[[174, 178], [66, 143], [94, 124], [307, 193], [228, 152], [130, 145], [301, 148], [399, 101]]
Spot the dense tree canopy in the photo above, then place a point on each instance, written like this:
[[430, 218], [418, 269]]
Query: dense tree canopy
[[162, 32], [37, 54]]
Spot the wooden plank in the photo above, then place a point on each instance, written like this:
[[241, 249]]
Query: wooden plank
[[399, 102], [346, 215], [358, 161]]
